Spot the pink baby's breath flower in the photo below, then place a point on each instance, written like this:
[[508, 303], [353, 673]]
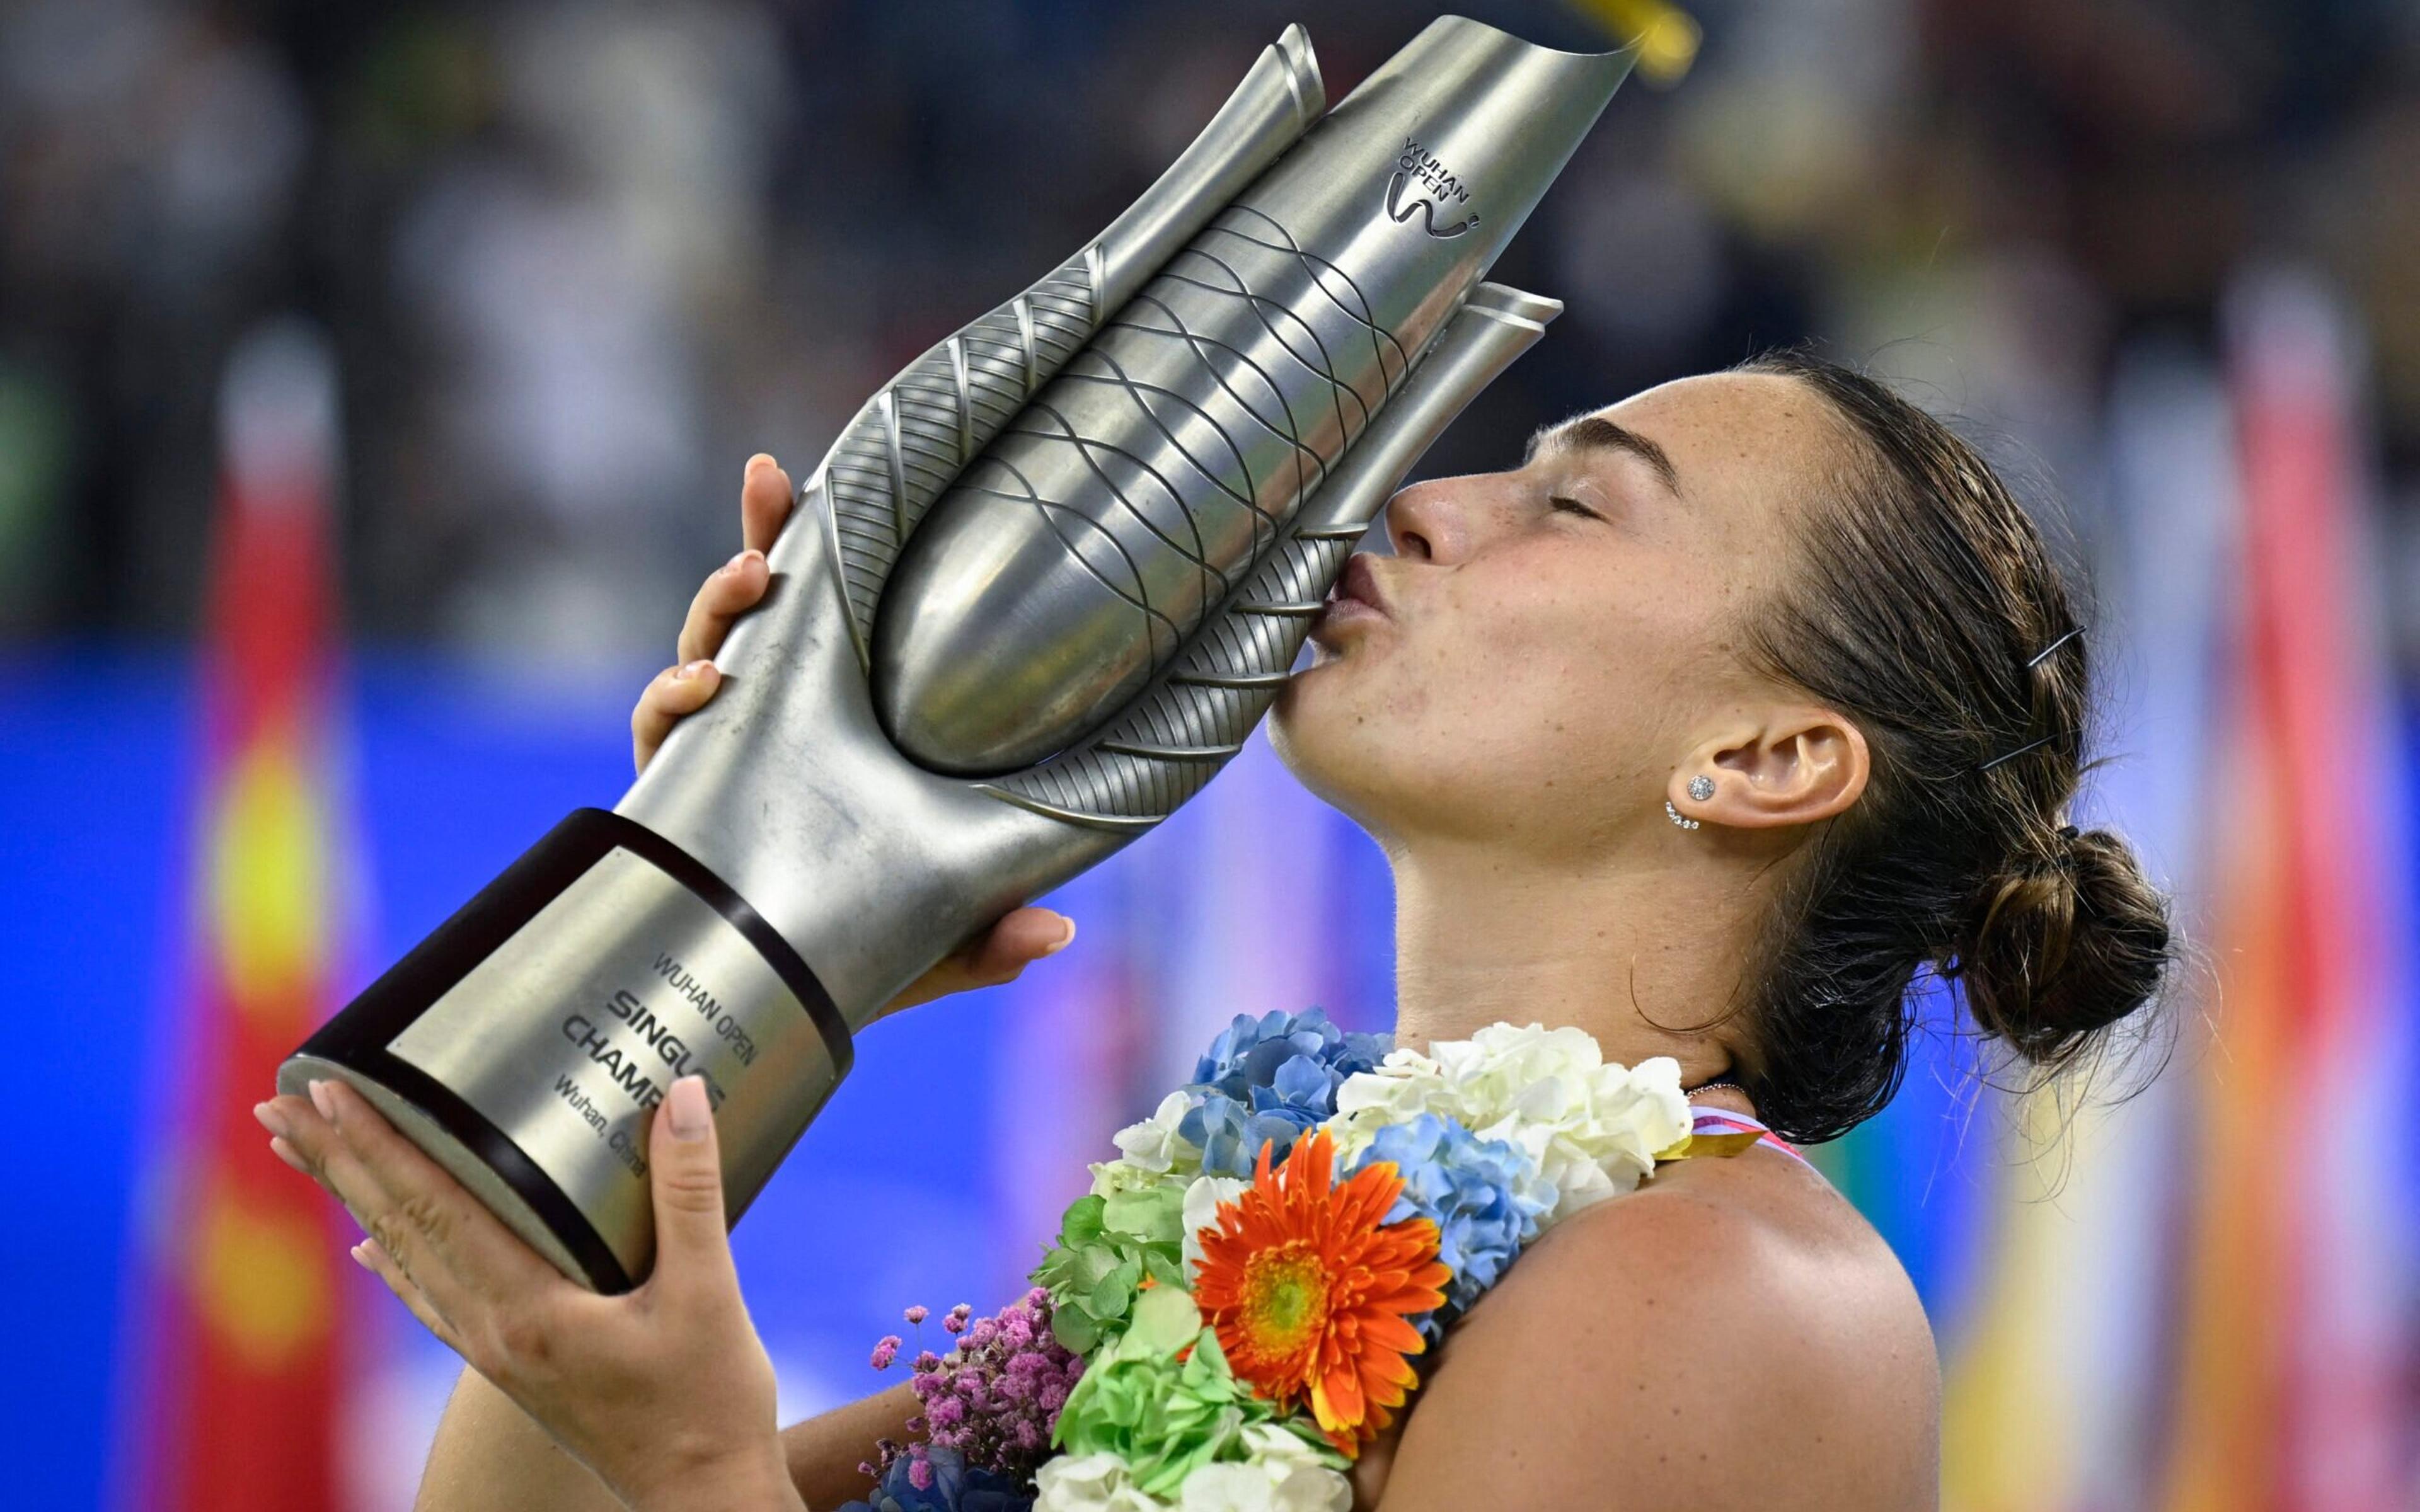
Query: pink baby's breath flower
[[994, 1398]]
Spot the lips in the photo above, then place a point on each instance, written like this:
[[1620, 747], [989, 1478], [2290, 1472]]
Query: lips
[[1357, 597], [1359, 583]]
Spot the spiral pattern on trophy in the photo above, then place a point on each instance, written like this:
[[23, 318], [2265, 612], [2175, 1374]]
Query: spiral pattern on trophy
[[1161, 465], [1280, 379], [1170, 743], [910, 442]]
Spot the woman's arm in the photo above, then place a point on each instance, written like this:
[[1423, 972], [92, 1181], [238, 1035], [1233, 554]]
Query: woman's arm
[[492, 1300], [488, 1454], [824, 1452]]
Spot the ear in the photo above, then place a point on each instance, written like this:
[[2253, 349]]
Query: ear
[[1796, 764]]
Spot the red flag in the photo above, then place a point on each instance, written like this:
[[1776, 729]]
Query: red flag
[[2290, 1338], [243, 1405]]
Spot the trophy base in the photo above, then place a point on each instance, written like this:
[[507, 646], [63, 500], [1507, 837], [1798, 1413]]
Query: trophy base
[[524, 1044]]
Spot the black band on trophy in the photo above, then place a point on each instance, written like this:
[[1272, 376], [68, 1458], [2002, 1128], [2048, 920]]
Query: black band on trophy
[[711, 889], [360, 1039]]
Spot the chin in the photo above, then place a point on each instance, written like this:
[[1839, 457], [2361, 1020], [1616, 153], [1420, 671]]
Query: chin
[[1332, 747]]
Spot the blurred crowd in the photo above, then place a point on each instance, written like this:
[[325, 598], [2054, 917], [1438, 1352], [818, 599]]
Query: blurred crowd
[[577, 261]]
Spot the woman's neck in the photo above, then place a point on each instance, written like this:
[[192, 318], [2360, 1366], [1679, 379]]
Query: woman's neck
[[1647, 959]]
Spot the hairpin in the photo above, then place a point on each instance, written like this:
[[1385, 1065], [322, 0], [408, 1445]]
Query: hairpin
[[2032, 662], [2043, 654], [2012, 755]]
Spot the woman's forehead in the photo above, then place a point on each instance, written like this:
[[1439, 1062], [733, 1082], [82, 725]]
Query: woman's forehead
[[1746, 439]]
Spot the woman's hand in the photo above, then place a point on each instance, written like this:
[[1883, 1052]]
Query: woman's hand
[[1019, 938], [665, 1393]]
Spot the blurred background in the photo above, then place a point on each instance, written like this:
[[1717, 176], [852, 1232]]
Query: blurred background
[[374, 381]]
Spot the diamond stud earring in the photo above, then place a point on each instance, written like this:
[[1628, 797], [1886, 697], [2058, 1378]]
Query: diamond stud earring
[[1676, 817], [1701, 787]]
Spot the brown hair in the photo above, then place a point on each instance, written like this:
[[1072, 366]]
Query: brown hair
[[1929, 612]]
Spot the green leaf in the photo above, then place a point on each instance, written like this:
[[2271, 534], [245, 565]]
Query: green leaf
[[1115, 1292], [1092, 1262], [1081, 1224], [1076, 1331], [1057, 1261], [1165, 1268], [1155, 1214], [1165, 1321]]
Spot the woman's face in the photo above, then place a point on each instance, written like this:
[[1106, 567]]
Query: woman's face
[[1545, 645]]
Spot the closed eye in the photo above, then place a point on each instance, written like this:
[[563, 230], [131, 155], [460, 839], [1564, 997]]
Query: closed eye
[[1573, 506]]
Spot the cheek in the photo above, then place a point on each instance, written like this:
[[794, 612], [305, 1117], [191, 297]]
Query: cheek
[[1511, 682]]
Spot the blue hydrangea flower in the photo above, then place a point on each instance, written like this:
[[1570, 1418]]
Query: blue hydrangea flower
[[948, 1486], [1484, 1194], [1270, 1080]]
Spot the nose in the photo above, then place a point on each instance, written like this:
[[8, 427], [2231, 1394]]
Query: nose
[[1440, 520]]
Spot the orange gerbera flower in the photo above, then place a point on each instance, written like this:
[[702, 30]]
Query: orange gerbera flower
[[1308, 1287]]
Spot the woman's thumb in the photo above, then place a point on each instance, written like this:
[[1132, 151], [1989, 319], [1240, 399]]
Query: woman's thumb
[[684, 1169]]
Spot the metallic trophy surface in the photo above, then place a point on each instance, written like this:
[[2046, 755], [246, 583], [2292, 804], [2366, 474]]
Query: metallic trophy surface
[[1037, 593]]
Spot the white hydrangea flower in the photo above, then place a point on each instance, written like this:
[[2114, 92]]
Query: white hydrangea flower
[[1091, 1483], [1150, 1152], [1202, 1201], [1282, 1472], [1264, 1487], [1594, 1127]]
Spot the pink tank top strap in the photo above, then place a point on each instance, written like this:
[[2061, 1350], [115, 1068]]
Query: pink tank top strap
[[1717, 1121]]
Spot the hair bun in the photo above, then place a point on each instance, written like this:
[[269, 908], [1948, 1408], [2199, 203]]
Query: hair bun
[[2063, 943]]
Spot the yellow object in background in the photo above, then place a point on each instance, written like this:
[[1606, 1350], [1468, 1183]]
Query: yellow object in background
[[1666, 36]]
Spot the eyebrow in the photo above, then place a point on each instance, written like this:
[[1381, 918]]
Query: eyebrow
[[1596, 433]]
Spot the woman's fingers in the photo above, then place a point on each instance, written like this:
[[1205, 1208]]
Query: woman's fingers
[[764, 502], [304, 1140], [675, 693], [738, 583], [729, 591], [1000, 954], [685, 1177], [457, 1252], [378, 1262], [1020, 938]]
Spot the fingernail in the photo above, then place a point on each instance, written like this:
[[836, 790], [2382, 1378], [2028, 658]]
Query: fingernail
[[366, 1255], [1064, 940], [691, 1116], [271, 1118], [279, 1148], [694, 671], [762, 459], [324, 1097], [736, 557]]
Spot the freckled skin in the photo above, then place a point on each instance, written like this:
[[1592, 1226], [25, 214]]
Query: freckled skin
[[1559, 649], [1533, 642]]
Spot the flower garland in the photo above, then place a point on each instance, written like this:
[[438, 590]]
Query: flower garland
[[1236, 1307]]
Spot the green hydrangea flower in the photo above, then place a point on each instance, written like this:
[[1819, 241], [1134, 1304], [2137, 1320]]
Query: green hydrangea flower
[[1107, 1246], [1163, 1399]]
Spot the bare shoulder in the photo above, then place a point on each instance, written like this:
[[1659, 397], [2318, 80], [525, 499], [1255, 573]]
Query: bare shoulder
[[1734, 1335]]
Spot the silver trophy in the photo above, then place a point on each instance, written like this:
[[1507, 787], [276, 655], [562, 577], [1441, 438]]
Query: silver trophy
[[1034, 597]]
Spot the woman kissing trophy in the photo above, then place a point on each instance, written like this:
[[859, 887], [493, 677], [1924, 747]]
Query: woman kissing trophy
[[1036, 594]]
